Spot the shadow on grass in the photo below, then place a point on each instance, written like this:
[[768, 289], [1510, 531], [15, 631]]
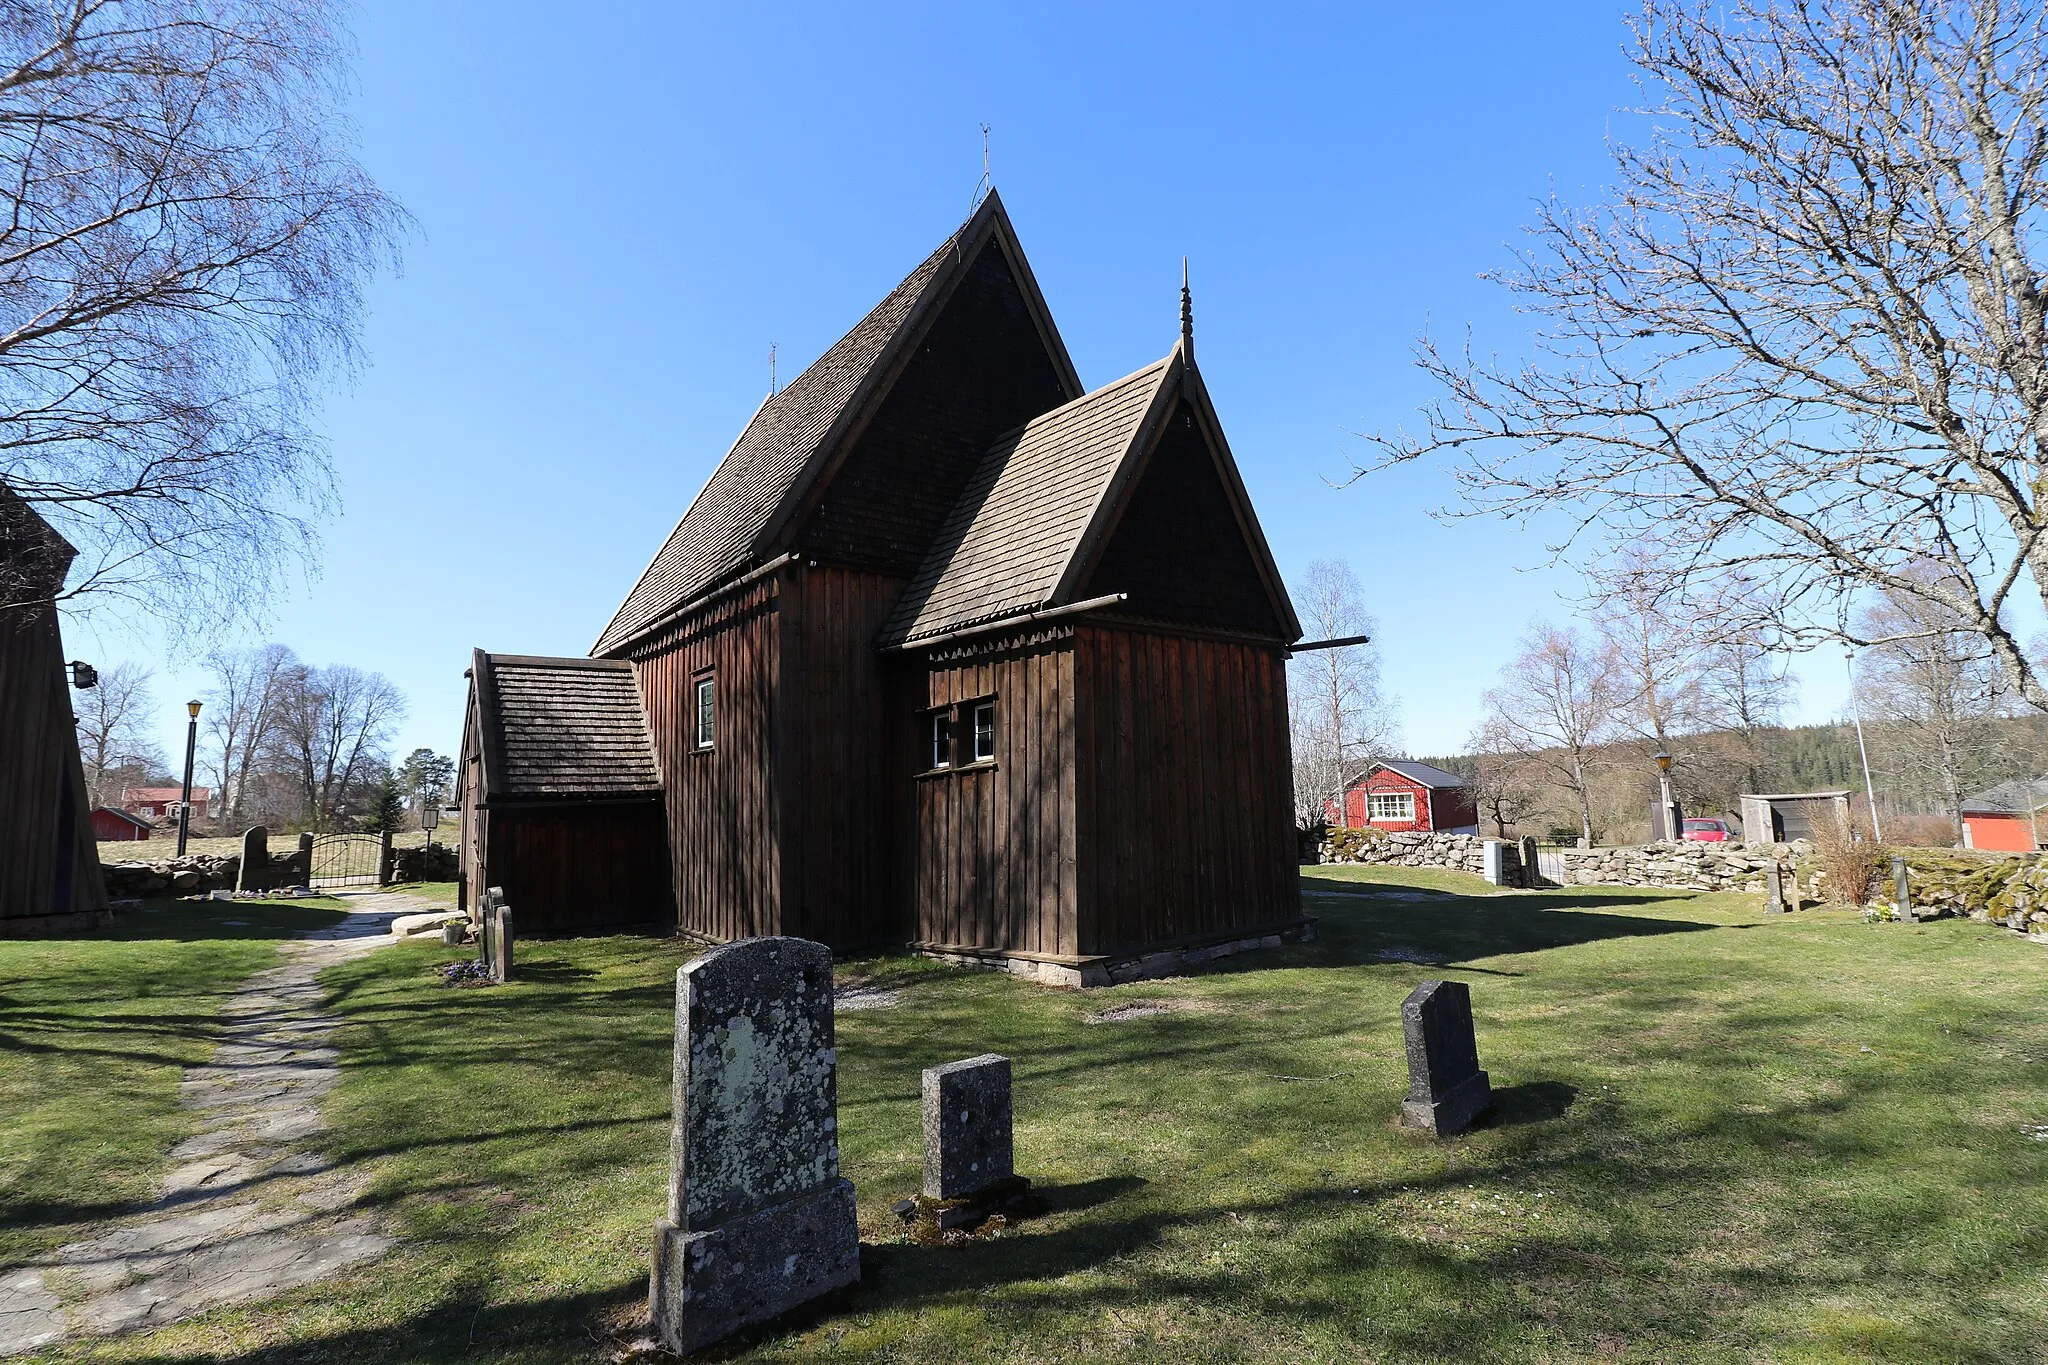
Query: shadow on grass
[[192, 920], [1370, 926], [1536, 1102]]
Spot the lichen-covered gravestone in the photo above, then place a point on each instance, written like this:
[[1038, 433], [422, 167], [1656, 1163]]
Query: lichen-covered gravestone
[[1774, 888], [1446, 1088], [967, 1127], [759, 1219]]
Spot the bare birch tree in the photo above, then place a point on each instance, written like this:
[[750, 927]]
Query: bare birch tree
[[1339, 716], [333, 727], [1804, 336], [1934, 693], [184, 241], [1554, 706], [244, 707], [113, 729]]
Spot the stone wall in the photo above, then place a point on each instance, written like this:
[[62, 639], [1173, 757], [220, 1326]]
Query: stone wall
[[428, 863], [1674, 866], [1413, 848], [195, 874]]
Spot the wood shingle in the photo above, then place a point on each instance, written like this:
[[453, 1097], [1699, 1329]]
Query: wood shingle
[[561, 728]]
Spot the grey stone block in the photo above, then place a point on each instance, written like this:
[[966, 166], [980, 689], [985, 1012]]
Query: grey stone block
[[1446, 1088], [707, 1285], [759, 1219], [967, 1126]]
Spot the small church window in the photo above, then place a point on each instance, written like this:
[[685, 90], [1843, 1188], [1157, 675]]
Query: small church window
[[707, 716], [984, 732], [942, 739]]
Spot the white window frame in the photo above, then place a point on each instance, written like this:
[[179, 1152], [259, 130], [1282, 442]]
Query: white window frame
[[939, 739], [705, 719], [1404, 803], [974, 730]]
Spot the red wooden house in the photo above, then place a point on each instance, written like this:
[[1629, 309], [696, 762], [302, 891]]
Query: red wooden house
[[1400, 795], [954, 652], [118, 825]]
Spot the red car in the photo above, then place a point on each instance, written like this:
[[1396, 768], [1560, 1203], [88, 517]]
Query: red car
[[1708, 831]]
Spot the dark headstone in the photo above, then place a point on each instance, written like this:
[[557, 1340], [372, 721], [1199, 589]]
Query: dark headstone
[[1532, 869], [1446, 1088], [254, 873], [305, 868], [966, 1126], [759, 1218]]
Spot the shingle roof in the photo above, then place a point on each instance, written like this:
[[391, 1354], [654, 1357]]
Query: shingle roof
[[561, 727], [2016, 797], [716, 536], [1021, 518]]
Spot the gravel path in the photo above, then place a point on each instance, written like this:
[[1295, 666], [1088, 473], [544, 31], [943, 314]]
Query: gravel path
[[252, 1208]]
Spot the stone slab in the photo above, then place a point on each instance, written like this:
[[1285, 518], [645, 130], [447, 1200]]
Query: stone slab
[[967, 1128], [706, 1285]]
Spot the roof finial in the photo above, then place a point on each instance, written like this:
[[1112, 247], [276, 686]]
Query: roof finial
[[771, 370], [1187, 313], [987, 181]]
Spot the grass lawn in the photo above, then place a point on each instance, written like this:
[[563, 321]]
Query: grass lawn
[[94, 1032], [1719, 1137]]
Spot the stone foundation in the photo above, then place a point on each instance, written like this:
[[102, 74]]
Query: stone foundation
[[1054, 969]]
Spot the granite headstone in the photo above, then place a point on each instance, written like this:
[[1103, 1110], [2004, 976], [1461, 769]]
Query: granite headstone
[[1446, 1088], [967, 1126], [254, 872], [1774, 890], [759, 1218]]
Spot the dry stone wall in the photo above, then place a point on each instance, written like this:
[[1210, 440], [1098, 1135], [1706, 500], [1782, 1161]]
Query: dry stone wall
[[1674, 866], [1415, 848]]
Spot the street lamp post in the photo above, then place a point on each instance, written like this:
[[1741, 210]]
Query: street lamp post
[[185, 801], [1669, 807]]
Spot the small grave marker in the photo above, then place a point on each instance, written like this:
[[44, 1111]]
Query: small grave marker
[[759, 1218], [1446, 1088], [967, 1127], [501, 938], [254, 872], [1774, 888], [1902, 891]]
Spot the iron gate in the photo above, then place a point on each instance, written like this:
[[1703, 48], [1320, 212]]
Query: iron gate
[[347, 860], [1550, 865]]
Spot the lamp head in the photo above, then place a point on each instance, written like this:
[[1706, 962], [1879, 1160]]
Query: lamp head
[[192, 709], [1663, 757]]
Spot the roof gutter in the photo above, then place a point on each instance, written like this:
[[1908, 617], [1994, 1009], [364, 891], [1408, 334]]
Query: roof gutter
[[704, 599], [1003, 623]]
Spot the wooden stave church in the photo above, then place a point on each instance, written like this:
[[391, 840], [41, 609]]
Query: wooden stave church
[[933, 517]]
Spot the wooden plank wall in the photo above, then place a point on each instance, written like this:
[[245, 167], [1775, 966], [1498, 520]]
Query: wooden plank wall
[[49, 863], [835, 771], [992, 863], [725, 822], [575, 869], [1186, 812]]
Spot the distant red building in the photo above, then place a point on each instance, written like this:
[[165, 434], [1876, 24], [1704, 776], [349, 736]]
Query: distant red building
[[1401, 795], [111, 824], [153, 803]]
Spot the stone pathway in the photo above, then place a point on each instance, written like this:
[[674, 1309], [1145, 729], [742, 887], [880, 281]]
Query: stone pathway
[[252, 1207]]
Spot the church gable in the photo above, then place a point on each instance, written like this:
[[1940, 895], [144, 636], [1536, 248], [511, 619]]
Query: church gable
[[988, 363], [1181, 548]]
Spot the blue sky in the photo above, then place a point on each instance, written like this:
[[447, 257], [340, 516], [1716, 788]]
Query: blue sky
[[617, 217]]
